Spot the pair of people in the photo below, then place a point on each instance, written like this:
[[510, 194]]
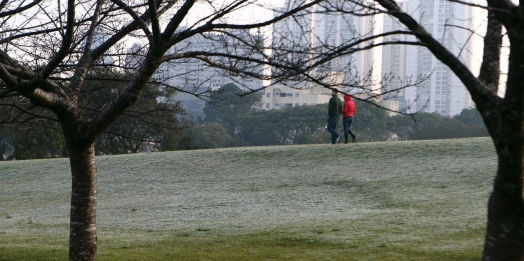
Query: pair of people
[[335, 108]]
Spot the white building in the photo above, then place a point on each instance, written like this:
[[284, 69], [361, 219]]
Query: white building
[[442, 92], [279, 96], [315, 30], [394, 64]]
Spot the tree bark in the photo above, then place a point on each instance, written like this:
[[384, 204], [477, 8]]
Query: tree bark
[[504, 119], [82, 233], [505, 228]]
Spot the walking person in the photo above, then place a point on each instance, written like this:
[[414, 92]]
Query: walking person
[[348, 111], [334, 108]]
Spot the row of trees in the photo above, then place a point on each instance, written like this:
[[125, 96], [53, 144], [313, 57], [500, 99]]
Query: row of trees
[[233, 123]]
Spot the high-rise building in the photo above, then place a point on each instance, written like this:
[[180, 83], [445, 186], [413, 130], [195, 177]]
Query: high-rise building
[[433, 87], [394, 65], [315, 30]]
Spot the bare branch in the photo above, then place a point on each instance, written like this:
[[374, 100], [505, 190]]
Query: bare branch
[[177, 19], [19, 9], [480, 93], [135, 16], [154, 22]]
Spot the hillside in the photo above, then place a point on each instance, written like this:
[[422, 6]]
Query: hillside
[[405, 200]]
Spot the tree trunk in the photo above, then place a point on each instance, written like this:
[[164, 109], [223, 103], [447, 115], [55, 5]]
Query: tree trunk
[[82, 233], [505, 228]]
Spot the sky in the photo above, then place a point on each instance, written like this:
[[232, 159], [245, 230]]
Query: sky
[[255, 12]]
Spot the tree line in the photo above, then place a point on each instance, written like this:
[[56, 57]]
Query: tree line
[[233, 123], [231, 120]]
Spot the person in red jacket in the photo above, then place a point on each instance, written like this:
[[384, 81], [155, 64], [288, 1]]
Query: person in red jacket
[[348, 111]]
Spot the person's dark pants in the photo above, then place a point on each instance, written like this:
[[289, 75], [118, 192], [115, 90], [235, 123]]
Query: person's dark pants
[[331, 127], [346, 122]]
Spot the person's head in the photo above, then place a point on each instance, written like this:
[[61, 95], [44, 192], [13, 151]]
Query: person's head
[[334, 91]]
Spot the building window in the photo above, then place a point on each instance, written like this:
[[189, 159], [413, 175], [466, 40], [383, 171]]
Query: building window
[[282, 94], [268, 95], [296, 105], [297, 94], [268, 105]]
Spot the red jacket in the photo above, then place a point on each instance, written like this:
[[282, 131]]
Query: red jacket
[[348, 110]]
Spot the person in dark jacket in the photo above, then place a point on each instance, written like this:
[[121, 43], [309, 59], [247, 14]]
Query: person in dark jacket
[[348, 111], [334, 108]]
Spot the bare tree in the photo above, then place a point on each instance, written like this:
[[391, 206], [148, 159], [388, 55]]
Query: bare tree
[[503, 115], [49, 50]]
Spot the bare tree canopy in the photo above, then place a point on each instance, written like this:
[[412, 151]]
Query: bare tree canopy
[[51, 49], [503, 116]]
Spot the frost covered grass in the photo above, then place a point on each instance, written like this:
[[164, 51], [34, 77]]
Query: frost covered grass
[[416, 200]]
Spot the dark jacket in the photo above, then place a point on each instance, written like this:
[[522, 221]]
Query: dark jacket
[[348, 110], [335, 106]]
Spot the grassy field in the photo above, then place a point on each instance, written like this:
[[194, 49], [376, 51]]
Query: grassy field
[[419, 200]]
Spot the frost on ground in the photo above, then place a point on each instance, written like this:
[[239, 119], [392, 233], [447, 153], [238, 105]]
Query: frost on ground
[[396, 189]]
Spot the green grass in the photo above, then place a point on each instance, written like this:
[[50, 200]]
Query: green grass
[[420, 200]]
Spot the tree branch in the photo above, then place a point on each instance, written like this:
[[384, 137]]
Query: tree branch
[[67, 40], [479, 92], [505, 11], [19, 9], [177, 19]]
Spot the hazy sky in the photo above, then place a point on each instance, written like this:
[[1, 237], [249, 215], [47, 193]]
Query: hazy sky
[[260, 11]]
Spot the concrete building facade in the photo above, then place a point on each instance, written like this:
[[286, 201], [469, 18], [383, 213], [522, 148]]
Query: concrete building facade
[[441, 91], [280, 96], [319, 31]]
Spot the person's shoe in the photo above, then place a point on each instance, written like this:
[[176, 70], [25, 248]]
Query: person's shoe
[[338, 138], [354, 138]]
